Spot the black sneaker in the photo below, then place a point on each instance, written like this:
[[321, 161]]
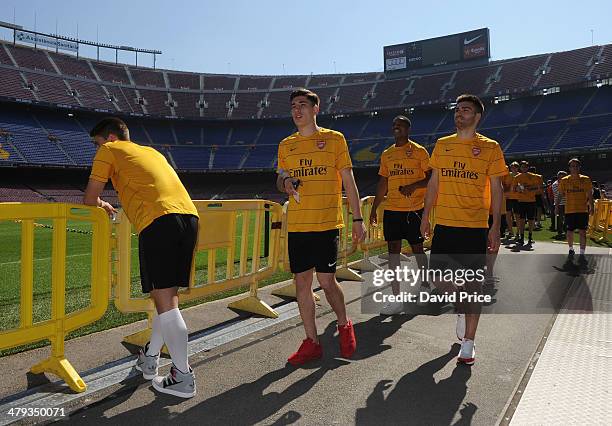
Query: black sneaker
[[582, 260], [571, 253]]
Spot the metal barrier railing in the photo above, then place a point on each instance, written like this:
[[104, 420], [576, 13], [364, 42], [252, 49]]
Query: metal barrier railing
[[225, 229], [600, 222], [60, 323], [374, 238]]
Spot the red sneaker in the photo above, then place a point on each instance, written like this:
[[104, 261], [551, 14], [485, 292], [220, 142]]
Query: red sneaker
[[348, 343], [308, 351]]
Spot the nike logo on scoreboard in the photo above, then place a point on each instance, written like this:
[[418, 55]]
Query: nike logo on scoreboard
[[471, 40]]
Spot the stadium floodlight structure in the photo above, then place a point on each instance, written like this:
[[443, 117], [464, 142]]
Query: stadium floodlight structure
[[69, 44]]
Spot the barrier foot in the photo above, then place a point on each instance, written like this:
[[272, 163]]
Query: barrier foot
[[289, 291], [346, 273], [61, 368], [254, 305], [365, 265], [141, 338]]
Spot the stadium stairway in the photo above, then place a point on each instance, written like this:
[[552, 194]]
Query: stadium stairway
[[403, 371]]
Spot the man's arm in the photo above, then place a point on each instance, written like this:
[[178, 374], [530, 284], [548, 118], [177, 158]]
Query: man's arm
[[430, 199], [407, 190], [590, 202], [92, 196], [497, 193], [381, 191], [348, 180]]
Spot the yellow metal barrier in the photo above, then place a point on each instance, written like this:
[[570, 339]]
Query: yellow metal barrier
[[600, 221], [346, 247], [375, 237], [222, 225], [60, 323]]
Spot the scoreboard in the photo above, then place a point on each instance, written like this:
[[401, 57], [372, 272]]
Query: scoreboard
[[433, 52]]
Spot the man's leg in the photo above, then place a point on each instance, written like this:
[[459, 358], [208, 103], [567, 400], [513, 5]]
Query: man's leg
[[394, 248], [582, 233], [334, 295], [570, 239], [306, 304], [509, 223], [173, 328]]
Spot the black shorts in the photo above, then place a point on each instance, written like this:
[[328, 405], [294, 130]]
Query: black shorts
[[511, 205], [454, 247], [166, 249], [317, 250], [526, 210], [539, 201], [575, 221], [399, 226]]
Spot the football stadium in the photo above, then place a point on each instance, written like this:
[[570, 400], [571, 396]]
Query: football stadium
[[74, 315]]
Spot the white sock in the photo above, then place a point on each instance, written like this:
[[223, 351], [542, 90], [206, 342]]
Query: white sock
[[467, 348], [157, 341], [174, 331], [394, 263], [582, 249]]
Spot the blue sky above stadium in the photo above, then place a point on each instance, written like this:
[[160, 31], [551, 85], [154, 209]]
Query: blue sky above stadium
[[280, 37]]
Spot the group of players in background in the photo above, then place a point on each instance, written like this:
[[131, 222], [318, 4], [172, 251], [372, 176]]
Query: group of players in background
[[464, 185]]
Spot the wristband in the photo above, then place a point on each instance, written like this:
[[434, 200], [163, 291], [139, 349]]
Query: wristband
[[358, 220]]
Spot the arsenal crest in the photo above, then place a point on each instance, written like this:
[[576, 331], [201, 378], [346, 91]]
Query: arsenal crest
[[476, 151], [320, 144]]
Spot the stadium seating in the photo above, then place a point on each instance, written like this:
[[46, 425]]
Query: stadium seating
[[213, 123]]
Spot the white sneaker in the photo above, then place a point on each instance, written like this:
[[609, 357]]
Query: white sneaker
[[460, 327], [467, 355], [176, 383], [392, 308]]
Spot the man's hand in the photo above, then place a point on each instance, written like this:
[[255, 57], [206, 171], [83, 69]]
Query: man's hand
[[590, 208], [359, 231], [109, 209], [425, 226], [373, 217], [493, 239], [289, 186], [406, 190]]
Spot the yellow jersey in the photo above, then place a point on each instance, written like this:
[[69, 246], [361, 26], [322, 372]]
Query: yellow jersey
[[464, 167], [576, 191], [530, 184], [403, 166], [507, 181], [148, 187], [315, 160]]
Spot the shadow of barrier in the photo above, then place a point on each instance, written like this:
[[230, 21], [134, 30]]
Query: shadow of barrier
[[600, 221], [60, 323], [238, 245], [345, 249]]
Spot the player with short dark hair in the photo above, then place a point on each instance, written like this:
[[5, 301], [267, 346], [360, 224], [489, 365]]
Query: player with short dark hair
[[404, 172], [158, 205], [578, 191], [465, 182], [526, 186], [313, 165]]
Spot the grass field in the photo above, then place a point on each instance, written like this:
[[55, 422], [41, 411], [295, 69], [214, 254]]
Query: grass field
[[78, 282]]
